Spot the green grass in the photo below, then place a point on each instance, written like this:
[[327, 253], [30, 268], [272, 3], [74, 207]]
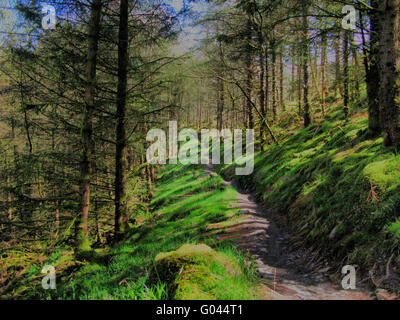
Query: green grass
[[186, 201], [320, 179]]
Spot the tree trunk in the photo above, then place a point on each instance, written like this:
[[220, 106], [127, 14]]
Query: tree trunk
[[323, 63], [266, 91], [220, 103], [371, 65], [299, 95], [249, 71], [273, 66], [313, 69], [9, 199], [337, 67], [81, 224], [262, 86], [121, 147], [281, 97], [356, 97], [307, 117], [220, 92], [389, 69], [346, 73], [293, 75], [55, 193]]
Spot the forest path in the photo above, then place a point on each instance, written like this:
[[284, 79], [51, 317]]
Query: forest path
[[284, 273]]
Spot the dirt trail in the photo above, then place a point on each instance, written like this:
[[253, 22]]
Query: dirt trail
[[284, 277]]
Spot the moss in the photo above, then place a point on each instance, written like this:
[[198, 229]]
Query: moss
[[198, 272], [385, 173], [395, 228]]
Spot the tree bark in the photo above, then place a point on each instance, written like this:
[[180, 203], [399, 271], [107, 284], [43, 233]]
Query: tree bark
[[262, 85], [346, 73], [281, 96], [357, 96], [389, 68], [293, 75], [81, 223], [273, 66], [323, 63], [371, 65], [121, 147], [306, 110], [249, 71], [337, 67], [299, 95], [220, 91], [266, 90]]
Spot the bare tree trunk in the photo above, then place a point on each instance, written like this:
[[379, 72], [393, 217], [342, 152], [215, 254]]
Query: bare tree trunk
[[274, 93], [249, 71], [323, 63], [299, 95], [281, 97], [293, 75], [346, 73], [371, 65], [149, 180], [389, 68], [313, 69], [98, 229], [200, 113], [356, 97], [220, 93], [57, 215], [220, 103], [234, 117], [15, 152], [337, 68], [9, 197], [81, 224], [266, 91], [306, 110], [262, 84], [120, 157]]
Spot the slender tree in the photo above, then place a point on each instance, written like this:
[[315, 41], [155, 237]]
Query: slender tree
[[305, 51], [82, 233], [346, 73], [121, 145]]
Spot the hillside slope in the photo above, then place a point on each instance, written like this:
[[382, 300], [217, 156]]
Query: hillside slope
[[336, 189]]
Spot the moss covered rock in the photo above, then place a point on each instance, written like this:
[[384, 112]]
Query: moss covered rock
[[193, 271]]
